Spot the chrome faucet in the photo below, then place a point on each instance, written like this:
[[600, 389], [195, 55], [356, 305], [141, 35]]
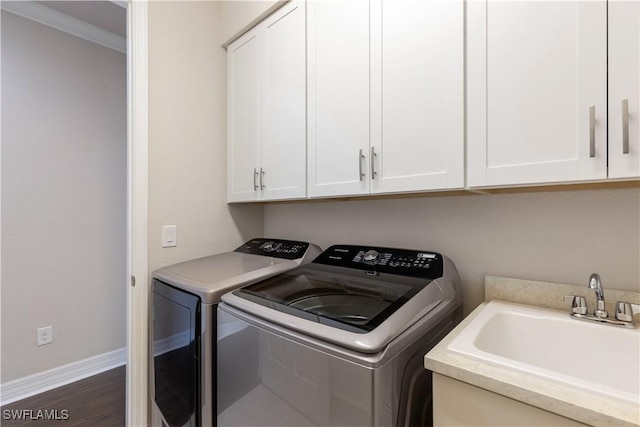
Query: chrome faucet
[[595, 283], [579, 310]]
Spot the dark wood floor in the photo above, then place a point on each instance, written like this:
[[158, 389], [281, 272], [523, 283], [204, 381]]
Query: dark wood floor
[[96, 401]]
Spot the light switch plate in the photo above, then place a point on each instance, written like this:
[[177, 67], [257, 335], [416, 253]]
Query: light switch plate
[[169, 236]]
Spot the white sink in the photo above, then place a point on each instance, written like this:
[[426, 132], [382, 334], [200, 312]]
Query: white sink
[[550, 344]]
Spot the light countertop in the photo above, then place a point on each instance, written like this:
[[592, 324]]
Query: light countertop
[[580, 405]]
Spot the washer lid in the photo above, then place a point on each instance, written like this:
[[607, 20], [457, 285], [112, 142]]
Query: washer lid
[[355, 321], [356, 303], [358, 297]]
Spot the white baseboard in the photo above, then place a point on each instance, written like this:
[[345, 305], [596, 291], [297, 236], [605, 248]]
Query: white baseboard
[[46, 380]]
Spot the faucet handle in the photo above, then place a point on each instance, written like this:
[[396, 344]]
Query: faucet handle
[[624, 311], [578, 304]]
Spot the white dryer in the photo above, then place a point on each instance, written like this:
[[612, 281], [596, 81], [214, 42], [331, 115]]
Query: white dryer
[[183, 334]]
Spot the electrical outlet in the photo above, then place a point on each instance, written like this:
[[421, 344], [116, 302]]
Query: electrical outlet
[[44, 335]]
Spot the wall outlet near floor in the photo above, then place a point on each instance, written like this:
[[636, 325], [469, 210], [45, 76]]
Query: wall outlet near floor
[[44, 335]]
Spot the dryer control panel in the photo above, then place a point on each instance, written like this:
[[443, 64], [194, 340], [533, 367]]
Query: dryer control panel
[[404, 262], [277, 248]]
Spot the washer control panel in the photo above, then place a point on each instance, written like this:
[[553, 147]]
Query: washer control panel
[[277, 248], [405, 262]]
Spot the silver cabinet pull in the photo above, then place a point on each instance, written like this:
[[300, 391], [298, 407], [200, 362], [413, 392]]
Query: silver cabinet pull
[[373, 168], [262, 172], [625, 126], [255, 178], [592, 131], [360, 160]]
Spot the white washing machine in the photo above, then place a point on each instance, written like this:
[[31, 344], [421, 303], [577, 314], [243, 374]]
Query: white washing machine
[[183, 334], [337, 342]]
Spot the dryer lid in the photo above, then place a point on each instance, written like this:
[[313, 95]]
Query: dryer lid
[[211, 277]]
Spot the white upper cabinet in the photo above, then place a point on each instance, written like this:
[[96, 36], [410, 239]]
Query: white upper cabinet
[[624, 89], [338, 97], [283, 104], [386, 96], [266, 109], [244, 118], [417, 97], [348, 97], [536, 92]]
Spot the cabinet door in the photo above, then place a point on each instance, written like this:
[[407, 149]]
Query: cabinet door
[[624, 89], [244, 116], [283, 104], [536, 92], [485, 408], [417, 96], [338, 97]]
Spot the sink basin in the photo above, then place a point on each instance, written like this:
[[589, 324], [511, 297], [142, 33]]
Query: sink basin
[[550, 344]]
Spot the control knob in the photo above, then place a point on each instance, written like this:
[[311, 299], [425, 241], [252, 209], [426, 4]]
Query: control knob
[[269, 246], [370, 257]]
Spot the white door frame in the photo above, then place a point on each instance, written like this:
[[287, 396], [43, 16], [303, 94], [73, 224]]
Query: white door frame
[[137, 214], [137, 204]]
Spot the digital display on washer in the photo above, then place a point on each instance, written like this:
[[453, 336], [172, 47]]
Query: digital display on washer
[[277, 248], [342, 301], [403, 262]]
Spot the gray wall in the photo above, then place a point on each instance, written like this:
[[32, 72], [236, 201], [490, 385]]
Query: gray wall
[[187, 136], [63, 197], [64, 175], [560, 236], [549, 236]]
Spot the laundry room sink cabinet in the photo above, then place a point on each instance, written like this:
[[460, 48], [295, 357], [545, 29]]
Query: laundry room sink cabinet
[[266, 109], [483, 408]]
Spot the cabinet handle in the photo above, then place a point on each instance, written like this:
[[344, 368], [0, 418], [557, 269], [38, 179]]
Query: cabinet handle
[[360, 159], [262, 172], [373, 167], [592, 131], [625, 126], [255, 177]]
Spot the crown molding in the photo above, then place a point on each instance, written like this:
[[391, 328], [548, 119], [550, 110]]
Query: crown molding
[[277, 5], [68, 24]]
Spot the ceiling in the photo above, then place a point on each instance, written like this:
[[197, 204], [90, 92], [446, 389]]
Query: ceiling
[[104, 14]]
